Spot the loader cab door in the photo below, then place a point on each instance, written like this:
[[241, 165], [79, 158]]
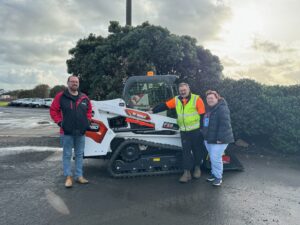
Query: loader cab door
[[144, 92]]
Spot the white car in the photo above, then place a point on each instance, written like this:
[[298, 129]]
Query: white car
[[16, 102], [37, 103], [47, 102], [27, 102]]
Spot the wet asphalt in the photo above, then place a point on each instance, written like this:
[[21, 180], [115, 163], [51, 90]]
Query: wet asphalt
[[32, 191]]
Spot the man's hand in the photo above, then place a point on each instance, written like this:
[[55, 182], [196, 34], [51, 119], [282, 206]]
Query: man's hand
[[150, 111]]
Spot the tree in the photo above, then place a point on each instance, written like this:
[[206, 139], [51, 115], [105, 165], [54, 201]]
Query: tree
[[56, 89], [25, 94], [14, 94], [41, 91], [103, 63]]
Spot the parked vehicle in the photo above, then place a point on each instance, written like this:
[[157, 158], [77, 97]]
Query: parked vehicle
[[23, 102], [47, 102], [37, 103], [32, 102], [27, 102], [16, 102]]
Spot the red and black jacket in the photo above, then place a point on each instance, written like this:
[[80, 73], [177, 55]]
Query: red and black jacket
[[71, 113]]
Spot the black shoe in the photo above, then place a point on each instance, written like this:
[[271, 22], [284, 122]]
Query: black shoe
[[217, 182], [211, 178]]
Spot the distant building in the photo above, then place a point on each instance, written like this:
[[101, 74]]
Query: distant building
[[5, 97]]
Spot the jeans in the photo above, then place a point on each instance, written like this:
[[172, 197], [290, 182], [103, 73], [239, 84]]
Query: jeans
[[192, 148], [216, 152], [69, 142]]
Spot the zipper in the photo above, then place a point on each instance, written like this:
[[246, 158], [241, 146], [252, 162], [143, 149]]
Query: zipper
[[183, 115], [76, 105]]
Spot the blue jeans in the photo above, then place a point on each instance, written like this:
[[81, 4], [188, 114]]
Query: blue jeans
[[69, 142], [216, 152]]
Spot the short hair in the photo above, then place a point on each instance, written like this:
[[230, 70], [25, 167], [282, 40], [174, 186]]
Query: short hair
[[211, 92], [72, 76], [183, 84]]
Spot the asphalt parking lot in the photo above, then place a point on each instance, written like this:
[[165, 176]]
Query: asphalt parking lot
[[32, 191]]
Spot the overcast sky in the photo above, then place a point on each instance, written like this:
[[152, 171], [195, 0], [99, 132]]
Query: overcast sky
[[253, 38]]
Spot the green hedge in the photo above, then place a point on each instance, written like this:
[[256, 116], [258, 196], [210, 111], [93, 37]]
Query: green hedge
[[260, 112]]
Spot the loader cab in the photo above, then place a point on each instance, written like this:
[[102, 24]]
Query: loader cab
[[145, 92]]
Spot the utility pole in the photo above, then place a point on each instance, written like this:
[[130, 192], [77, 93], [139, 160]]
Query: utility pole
[[128, 12]]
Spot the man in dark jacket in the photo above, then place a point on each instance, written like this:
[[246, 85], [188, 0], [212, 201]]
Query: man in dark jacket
[[71, 110], [217, 133]]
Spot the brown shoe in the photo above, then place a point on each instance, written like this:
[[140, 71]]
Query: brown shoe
[[197, 172], [186, 177], [82, 180], [68, 182]]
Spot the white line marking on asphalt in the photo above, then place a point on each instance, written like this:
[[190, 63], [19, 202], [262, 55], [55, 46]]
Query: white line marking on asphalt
[[19, 149], [56, 202], [29, 136]]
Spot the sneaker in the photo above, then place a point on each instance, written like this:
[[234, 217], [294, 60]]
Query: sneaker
[[82, 180], [217, 182], [197, 172], [211, 178], [68, 182]]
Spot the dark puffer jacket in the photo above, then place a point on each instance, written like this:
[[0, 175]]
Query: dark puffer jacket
[[71, 113], [217, 124]]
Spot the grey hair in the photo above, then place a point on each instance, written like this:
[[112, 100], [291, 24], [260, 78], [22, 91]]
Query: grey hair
[[183, 84]]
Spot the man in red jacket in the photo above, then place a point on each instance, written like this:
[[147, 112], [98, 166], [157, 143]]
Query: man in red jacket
[[71, 110]]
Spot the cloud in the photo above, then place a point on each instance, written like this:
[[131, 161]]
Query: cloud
[[200, 19], [27, 78], [36, 18], [279, 63], [34, 52], [270, 47], [36, 35], [265, 45], [283, 71], [229, 62]]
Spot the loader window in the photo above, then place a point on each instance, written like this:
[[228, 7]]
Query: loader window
[[144, 96]]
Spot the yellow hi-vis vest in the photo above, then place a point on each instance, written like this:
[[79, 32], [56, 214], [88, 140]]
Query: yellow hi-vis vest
[[188, 118]]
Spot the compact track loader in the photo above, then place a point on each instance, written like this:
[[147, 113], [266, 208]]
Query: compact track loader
[[135, 142]]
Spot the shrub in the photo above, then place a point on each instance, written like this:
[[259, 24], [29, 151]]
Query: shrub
[[260, 112]]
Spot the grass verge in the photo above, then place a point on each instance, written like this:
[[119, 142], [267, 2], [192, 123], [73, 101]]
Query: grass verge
[[3, 104]]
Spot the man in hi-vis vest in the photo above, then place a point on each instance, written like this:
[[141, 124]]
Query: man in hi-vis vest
[[189, 108]]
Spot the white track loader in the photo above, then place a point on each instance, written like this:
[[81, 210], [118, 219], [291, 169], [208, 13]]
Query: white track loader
[[135, 142]]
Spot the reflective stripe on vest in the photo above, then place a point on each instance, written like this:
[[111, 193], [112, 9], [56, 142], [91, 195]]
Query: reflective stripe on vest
[[187, 116]]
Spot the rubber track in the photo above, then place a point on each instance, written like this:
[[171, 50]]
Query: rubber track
[[138, 174]]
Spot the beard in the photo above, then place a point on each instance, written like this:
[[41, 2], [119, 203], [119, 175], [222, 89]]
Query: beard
[[184, 95], [74, 88]]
